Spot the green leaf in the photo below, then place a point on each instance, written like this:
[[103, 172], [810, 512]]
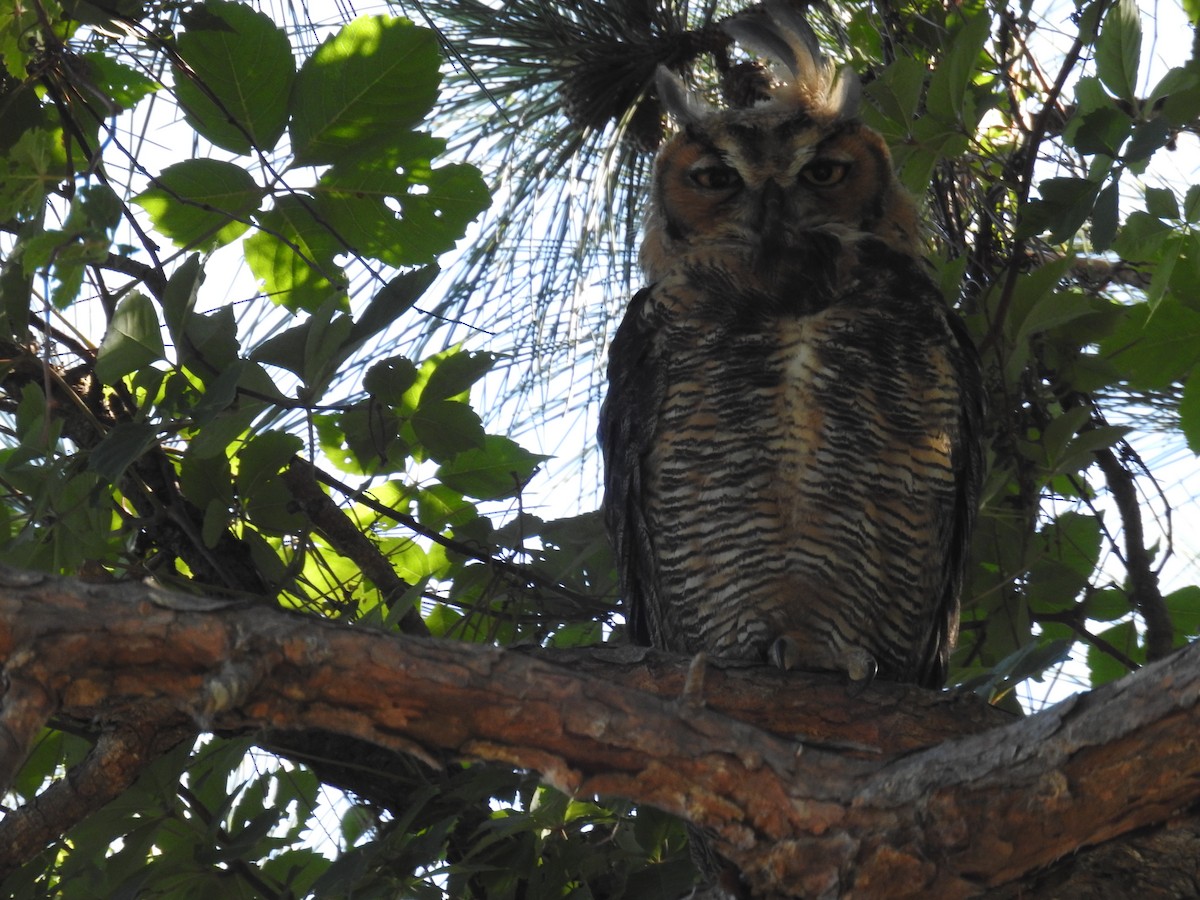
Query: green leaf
[[500, 469], [206, 479], [124, 443], [1148, 137], [291, 349], [201, 202], [285, 349], [389, 379], [1103, 666], [294, 254], [123, 85], [1068, 555], [216, 436], [370, 431], [447, 427], [179, 299], [375, 78], [210, 342], [1153, 351], [1079, 453], [23, 111], [1059, 431], [240, 71], [1106, 216], [440, 507], [392, 301], [1176, 81], [1064, 206], [34, 165], [957, 67], [1161, 202], [1142, 236], [407, 558], [264, 456], [1191, 205], [1182, 106], [1038, 305], [217, 519], [1189, 411], [313, 349], [1107, 605], [897, 93], [454, 375], [1184, 606], [357, 821], [1172, 251], [1101, 131], [268, 502], [436, 205], [323, 351], [1118, 49], [1185, 276], [220, 390], [83, 239], [1029, 660], [133, 340], [16, 50]]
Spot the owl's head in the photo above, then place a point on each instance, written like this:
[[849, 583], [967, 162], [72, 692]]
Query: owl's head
[[767, 178]]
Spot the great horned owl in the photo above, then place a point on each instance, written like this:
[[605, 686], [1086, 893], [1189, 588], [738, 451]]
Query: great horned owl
[[791, 435]]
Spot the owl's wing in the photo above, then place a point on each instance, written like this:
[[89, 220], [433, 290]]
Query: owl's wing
[[628, 420], [967, 460]]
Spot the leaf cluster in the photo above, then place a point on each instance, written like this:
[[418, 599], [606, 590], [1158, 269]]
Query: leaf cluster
[[318, 441], [174, 441]]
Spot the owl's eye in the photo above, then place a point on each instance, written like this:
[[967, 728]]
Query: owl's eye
[[824, 172], [716, 178]]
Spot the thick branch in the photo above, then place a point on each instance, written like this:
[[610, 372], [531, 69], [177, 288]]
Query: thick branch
[[949, 821]]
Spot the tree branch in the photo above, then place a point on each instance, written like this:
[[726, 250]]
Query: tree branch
[[114, 763], [952, 820], [348, 539], [1144, 591]]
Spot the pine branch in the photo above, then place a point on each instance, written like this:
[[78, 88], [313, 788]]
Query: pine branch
[[797, 817]]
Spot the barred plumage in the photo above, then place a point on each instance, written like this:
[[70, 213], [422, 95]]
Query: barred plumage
[[791, 434]]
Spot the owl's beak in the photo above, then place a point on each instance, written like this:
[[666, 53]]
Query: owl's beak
[[769, 211]]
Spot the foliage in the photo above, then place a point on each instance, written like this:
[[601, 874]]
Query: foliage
[[162, 422]]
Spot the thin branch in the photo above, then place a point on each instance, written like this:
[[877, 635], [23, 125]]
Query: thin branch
[[348, 539], [1071, 618], [1041, 125], [521, 575], [1143, 580], [114, 763]]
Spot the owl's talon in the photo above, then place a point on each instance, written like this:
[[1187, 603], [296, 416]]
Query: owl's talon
[[861, 667], [693, 683], [784, 653]]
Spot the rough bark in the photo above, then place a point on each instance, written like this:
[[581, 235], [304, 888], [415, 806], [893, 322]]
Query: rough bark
[[846, 804]]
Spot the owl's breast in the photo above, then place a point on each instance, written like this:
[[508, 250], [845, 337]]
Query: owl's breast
[[799, 478]]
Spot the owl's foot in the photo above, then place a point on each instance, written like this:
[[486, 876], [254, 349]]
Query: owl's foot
[[785, 653]]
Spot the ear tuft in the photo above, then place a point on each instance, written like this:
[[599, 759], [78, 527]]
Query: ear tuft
[[805, 77], [682, 103]]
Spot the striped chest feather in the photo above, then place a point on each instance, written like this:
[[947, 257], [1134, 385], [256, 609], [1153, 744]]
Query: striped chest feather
[[799, 480]]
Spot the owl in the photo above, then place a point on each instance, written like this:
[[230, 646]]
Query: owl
[[791, 435]]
